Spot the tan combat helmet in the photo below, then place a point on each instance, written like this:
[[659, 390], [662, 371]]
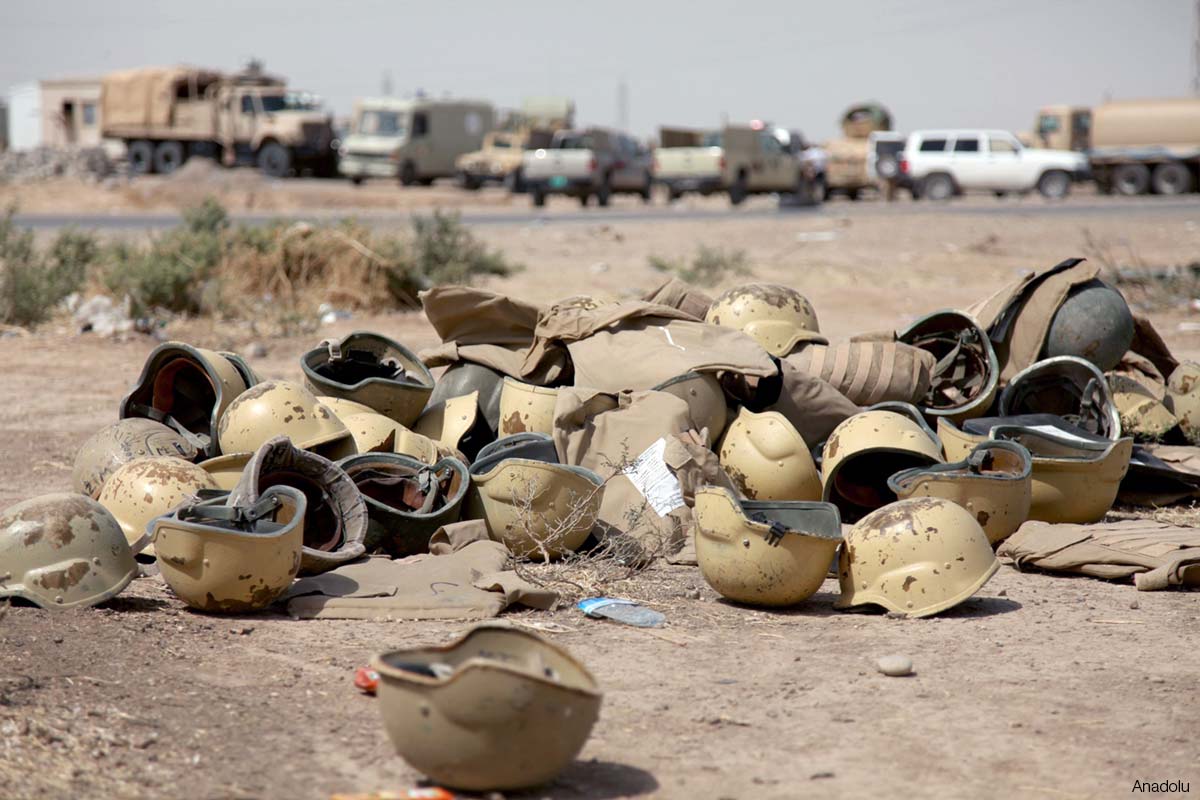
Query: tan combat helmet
[[867, 449], [957, 443], [1068, 387], [343, 408], [966, 371], [705, 398], [525, 408], [465, 377], [370, 369], [767, 459], [498, 710], [224, 557], [772, 553], [335, 515], [188, 389], [283, 408], [146, 488], [407, 499], [994, 483], [1183, 398], [1142, 408], [1075, 479], [63, 551], [778, 317], [916, 557], [226, 470], [375, 433], [118, 444], [534, 505], [456, 424]]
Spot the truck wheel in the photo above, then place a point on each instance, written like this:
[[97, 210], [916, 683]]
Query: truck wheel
[[141, 157], [168, 157], [515, 182], [408, 174], [539, 196], [274, 160], [357, 180], [604, 193], [1054, 184], [469, 182], [1172, 178], [647, 189], [583, 200], [1131, 179], [737, 190], [938, 187], [673, 194], [853, 194]]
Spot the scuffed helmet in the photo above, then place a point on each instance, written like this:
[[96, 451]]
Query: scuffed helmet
[[1094, 323], [118, 444], [370, 369], [966, 371], [526, 408], [1143, 412], [867, 449], [407, 500], [772, 553], [465, 377], [499, 709], [343, 408], [915, 557], [227, 557], [777, 317], [994, 483], [283, 408], [375, 433], [335, 516], [226, 470], [705, 398], [767, 459], [456, 424], [146, 488], [188, 389], [63, 551], [1066, 386], [1183, 398]]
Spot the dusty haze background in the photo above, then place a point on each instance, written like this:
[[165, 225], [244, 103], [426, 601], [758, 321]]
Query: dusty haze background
[[934, 63]]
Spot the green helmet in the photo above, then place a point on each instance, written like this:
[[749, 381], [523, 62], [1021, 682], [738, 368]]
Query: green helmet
[[373, 370]]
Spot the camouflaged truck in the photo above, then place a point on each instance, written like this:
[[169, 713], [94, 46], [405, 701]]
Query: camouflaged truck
[[165, 115], [499, 159]]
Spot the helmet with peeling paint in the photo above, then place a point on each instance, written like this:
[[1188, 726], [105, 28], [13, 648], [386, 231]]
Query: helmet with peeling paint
[[118, 444], [370, 369], [916, 557], [767, 459], [456, 423], [994, 483], [1142, 408], [146, 488], [283, 408], [526, 408], [1183, 398], [63, 551], [228, 557], [466, 377], [768, 553], [499, 709], [375, 433], [778, 317]]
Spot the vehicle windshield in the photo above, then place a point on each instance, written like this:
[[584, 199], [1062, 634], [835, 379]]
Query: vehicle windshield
[[1048, 123], [577, 142], [380, 122], [712, 139], [291, 101]]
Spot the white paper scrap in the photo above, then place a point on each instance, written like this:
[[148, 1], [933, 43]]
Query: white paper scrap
[[653, 478]]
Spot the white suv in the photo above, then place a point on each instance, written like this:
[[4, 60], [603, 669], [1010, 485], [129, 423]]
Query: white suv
[[941, 164]]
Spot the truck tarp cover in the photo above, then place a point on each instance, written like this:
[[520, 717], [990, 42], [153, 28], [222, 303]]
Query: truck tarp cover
[[145, 97]]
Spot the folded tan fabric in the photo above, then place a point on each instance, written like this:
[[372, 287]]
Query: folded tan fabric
[[1156, 555], [681, 295], [470, 583], [869, 372], [814, 406]]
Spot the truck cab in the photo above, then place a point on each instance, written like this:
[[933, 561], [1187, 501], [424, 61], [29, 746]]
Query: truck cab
[[1062, 128], [758, 159], [276, 128]]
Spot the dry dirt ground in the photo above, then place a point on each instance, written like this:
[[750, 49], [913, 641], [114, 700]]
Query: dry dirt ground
[[1040, 686]]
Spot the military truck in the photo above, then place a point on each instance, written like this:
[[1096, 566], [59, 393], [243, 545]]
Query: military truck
[[415, 141], [688, 160], [1133, 146], [500, 157], [846, 172], [593, 162], [165, 115], [760, 159]]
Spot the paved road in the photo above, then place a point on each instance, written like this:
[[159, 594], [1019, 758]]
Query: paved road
[[1089, 207]]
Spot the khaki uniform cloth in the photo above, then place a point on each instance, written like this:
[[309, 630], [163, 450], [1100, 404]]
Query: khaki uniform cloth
[[870, 372], [1157, 555], [606, 432], [675, 293], [813, 406], [1018, 317], [469, 583], [1148, 343]]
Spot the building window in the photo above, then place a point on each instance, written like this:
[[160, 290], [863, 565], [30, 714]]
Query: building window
[[89, 114]]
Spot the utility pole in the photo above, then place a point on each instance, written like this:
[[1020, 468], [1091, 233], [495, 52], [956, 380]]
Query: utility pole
[[385, 83], [623, 104], [1196, 49]]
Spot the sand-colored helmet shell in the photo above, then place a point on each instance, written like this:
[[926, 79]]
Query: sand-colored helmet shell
[[343, 408], [63, 550], [220, 556], [916, 557], [188, 388], [966, 371], [375, 433], [465, 377], [867, 449], [374, 370], [767, 553], [226, 470], [118, 444], [146, 488], [283, 408], [456, 424], [1183, 399], [767, 459], [498, 710], [994, 483], [395, 488], [705, 398], [1143, 414], [1074, 479], [957, 443], [526, 408], [777, 317], [1066, 386]]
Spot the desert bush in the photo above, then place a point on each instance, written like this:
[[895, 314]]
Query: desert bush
[[443, 250], [708, 267], [32, 283]]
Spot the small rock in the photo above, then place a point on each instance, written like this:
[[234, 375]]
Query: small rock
[[895, 666], [1002, 593], [694, 594], [1134, 604], [245, 630], [1158, 679], [145, 741], [816, 776], [896, 615], [256, 350], [57, 639]]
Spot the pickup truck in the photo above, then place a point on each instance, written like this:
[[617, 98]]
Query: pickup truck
[[594, 162], [762, 159], [689, 161]]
